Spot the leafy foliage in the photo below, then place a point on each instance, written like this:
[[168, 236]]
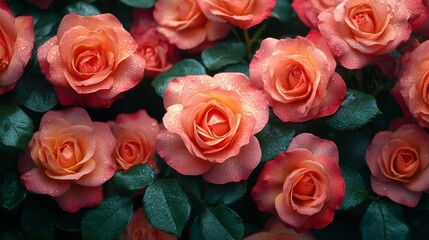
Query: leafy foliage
[[167, 206], [357, 109], [108, 220]]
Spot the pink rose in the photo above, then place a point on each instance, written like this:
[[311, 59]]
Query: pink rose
[[399, 164], [413, 84], [135, 135], [140, 229], [275, 229], [298, 76], [302, 186], [210, 125], [185, 25], [309, 10], [91, 60], [16, 44], [357, 30], [154, 47], [69, 158], [241, 13]]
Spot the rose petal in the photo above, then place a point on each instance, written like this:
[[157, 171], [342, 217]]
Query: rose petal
[[36, 181], [395, 191], [104, 162], [172, 149], [78, 197], [317, 146], [236, 168], [260, 61]]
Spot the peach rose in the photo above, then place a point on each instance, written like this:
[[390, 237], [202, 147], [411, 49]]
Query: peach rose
[[154, 47], [69, 158], [309, 10], [185, 25], [413, 84], [140, 229], [358, 30], [91, 60], [275, 229], [399, 164], [16, 44], [241, 13], [135, 135], [298, 76], [210, 125], [302, 186]]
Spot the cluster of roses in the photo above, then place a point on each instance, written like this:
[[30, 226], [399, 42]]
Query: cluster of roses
[[210, 121]]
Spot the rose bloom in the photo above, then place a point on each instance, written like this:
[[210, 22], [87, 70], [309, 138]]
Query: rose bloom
[[399, 164], [309, 10], [154, 47], [357, 30], [413, 84], [91, 60], [275, 229], [135, 135], [298, 75], [210, 125], [69, 158], [139, 228], [16, 44], [302, 186], [185, 25], [241, 13]]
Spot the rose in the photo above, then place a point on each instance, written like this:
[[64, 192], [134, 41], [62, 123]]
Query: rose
[[91, 60], [69, 158], [135, 135], [298, 76], [183, 23], [140, 229], [399, 164], [275, 229], [413, 84], [241, 13], [153, 46], [210, 125], [16, 44], [356, 30], [309, 10], [302, 186]]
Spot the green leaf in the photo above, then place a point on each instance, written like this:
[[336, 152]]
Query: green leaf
[[384, 221], [82, 8], [166, 206], [223, 54], [139, 3], [239, 67], [11, 191], [274, 138], [356, 110], [180, 69], [356, 192], [220, 222], [15, 126], [225, 193], [108, 220], [283, 11], [137, 177], [36, 94]]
